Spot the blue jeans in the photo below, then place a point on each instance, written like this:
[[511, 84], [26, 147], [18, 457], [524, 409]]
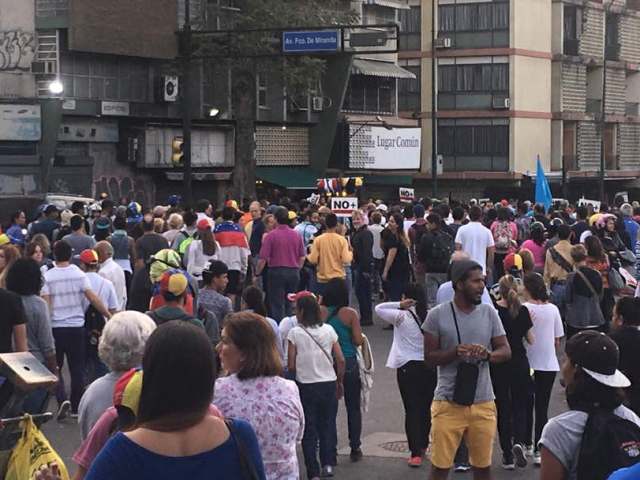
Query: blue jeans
[[352, 388], [363, 294], [282, 281], [320, 410]]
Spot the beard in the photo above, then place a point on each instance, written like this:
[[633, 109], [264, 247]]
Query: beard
[[476, 301]]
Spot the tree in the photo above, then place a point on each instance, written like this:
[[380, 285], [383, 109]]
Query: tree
[[252, 45]]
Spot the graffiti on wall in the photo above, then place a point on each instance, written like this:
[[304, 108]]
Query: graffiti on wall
[[17, 49], [137, 189]]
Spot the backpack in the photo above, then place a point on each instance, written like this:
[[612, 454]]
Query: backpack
[[94, 323], [419, 230], [608, 443], [524, 228], [440, 253], [503, 237]]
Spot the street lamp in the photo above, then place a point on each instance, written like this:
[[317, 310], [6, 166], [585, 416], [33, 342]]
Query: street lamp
[[213, 112], [56, 87]]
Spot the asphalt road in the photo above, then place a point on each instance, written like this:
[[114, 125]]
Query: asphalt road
[[383, 430]]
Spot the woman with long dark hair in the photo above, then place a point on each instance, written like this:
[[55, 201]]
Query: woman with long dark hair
[[592, 383], [598, 259], [396, 271], [253, 301], [511, 380], [536, 244], [416, 381], [175, 435], [202, 250], [346, 322], [505, 236], [547, 330]]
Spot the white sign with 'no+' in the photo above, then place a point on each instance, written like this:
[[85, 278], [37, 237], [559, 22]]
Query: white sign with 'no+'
[[344, 206]]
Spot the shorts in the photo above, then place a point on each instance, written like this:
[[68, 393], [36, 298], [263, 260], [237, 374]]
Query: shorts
[[234, 287], [450, 422]]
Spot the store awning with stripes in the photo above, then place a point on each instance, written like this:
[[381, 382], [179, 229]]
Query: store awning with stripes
[[379, 69]]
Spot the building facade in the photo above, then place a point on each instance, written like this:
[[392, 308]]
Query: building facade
[[521, 80]]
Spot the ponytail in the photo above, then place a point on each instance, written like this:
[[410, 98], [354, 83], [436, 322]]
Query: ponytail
[[509, 291]]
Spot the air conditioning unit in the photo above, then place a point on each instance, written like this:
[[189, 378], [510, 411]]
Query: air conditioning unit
[[46, 67], [317, 103], [170, 88], [501, 103], [443, 42]]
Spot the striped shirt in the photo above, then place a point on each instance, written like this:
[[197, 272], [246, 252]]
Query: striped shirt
[[66, 287]]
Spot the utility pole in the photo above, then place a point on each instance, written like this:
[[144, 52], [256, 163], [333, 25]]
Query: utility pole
[[434, 105], [603, 121], [186, 105]]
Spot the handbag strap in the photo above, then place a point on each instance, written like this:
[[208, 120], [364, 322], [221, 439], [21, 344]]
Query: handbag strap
[[455, 320], [246, 465], [415, 317], [329, 357]]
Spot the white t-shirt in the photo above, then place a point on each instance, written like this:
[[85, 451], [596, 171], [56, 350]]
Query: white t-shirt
[[313, 362], [376, 230], [475, 238], [113, 272], [66, 287], [547, 326], [408, 340], [286, 324], [104, 289]]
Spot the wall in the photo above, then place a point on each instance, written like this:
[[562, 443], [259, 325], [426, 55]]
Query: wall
[[529, 138], [592, 39], [17, 48], [616, 91], [530, 84], [574, 88], [588, 146], [531, 25], [426, 85], [630, 38], [556, 144], [629, 146]]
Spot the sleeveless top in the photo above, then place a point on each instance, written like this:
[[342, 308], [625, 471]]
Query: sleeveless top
[[120, 244], [344, 334]]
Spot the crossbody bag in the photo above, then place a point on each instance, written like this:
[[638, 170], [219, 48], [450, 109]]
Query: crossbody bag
[[464, 392], [329, 357]]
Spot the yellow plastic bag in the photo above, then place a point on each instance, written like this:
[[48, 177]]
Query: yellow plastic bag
[[32, 452]]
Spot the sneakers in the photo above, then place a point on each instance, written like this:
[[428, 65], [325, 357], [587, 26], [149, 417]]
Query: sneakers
[[73, 416], [415, 462], [327, 471], [520, 455], [63, 410], [462, 467], [507, 462], [356, 455], [529, 451], [537, 460]]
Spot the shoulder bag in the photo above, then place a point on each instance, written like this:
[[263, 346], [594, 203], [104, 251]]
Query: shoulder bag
[[415, 317], [329, 357], [464, 392]]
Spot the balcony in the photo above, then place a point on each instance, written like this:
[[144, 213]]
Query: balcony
[[594, 105], [632, 109], [612, 52], [571, 46]]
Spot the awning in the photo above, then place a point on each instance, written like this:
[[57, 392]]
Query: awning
[[379, 69], [397, 4], [293, 178], [398, 180]]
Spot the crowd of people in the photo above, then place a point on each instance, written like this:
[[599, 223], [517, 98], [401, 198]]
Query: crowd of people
[[198, 338]]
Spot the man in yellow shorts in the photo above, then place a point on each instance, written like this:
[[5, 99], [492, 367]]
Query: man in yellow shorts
[[461, 338]]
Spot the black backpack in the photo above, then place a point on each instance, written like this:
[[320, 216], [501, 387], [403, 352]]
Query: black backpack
[[439, 255], [609, 443], [94, 323]]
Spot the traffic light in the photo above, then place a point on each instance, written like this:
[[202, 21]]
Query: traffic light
[[177, 152]]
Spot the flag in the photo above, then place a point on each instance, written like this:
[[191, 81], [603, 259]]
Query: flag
[[543, 192]]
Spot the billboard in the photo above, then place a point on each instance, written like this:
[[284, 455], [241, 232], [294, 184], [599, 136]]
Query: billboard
[[137, 28], [380, 148], [20, 123]]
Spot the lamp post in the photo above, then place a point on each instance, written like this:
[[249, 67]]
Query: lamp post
[[186, 104]]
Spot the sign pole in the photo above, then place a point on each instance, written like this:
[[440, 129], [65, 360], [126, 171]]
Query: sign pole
[[186, 105]]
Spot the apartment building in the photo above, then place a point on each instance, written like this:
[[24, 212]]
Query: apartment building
[[517, 80]]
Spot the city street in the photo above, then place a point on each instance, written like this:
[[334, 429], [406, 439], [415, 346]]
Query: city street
[[383, 438]]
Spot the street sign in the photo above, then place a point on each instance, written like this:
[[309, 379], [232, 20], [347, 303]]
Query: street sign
[[407, 194], [311, 41], [344, 206]]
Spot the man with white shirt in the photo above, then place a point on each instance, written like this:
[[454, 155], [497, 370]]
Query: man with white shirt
[[111, 271], [477, 240]]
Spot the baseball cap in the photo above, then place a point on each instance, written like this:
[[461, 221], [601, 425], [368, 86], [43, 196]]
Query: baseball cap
[[127, 391], [513, 260], [626, 210], [50, 208], [382, 207], [89, 257], [102, 223], [174, 200], [294, 297], [4, 239], [216, 268], [173, 282], [460, 268], [598, 355], [203, 224]]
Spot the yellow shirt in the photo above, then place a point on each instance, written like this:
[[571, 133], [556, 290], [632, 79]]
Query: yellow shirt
[[330, 252], [552, 271]]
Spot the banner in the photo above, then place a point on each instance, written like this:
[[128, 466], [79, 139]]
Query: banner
[[583, 202], [407, 194], [384, 149], [344, 206]]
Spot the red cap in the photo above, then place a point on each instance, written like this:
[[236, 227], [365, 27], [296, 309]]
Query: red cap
[[294, 297], [203, 224], [89, 257]]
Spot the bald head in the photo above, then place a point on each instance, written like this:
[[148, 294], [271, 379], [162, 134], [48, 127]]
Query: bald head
[[459, 255], [104, 250]]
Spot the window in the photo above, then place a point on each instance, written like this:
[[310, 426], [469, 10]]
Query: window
[[261, 90], [105, 78], [474, 78], [370, 94], [410, 21], [474, 17], [409, 91], [378, 15], [572, 22], [460, 142], [221, 14]]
